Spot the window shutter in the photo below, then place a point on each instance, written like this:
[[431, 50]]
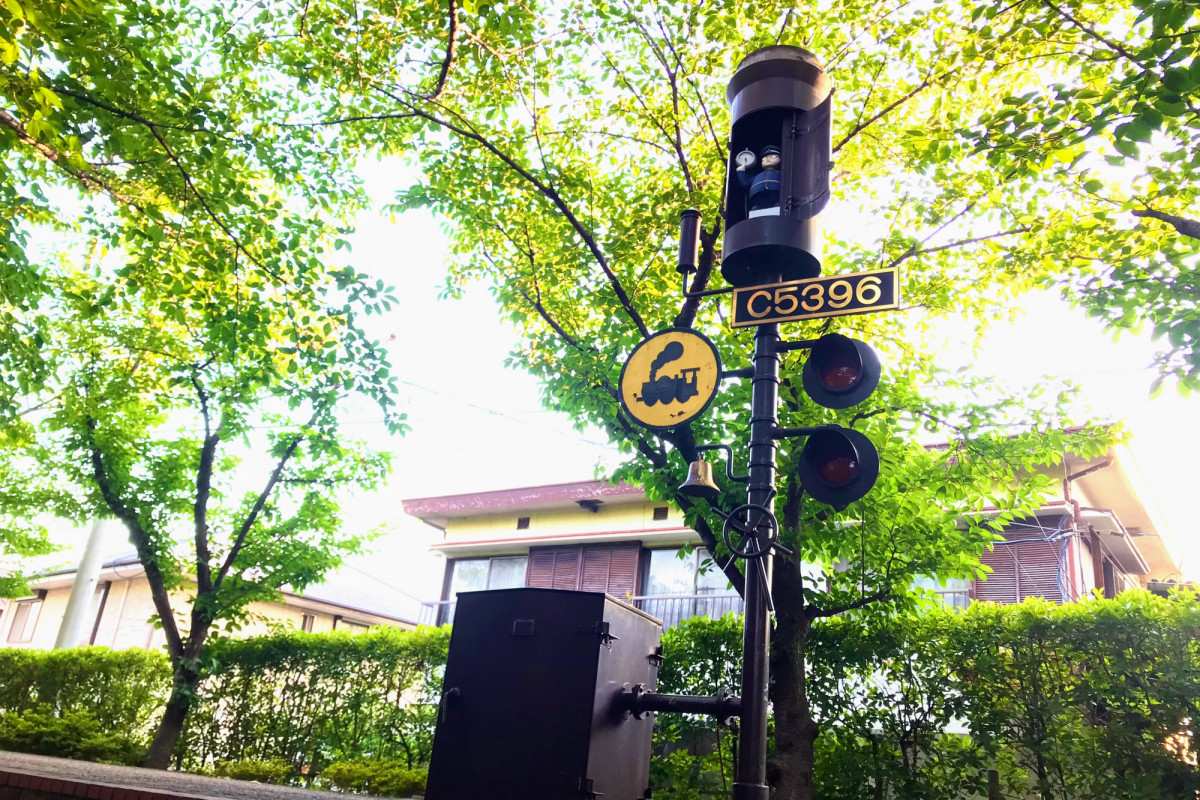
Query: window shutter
[[611, 568], [1039, 575], [1021, 569], [540, 572], [1000, 586], [553, 567], [596, 562], [623, 570], [566, 568]]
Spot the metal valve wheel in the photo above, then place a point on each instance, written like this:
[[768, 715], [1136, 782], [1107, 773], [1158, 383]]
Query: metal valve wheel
[[750, 530]]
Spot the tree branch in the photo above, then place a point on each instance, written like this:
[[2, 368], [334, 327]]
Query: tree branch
[[546, 191], [913, 251], [203, 491], [861, 126], [131, 115], [685, 442], [816, 612], [250, 519], [727, 564], [141, 541], [153, 127], [1116, 48], [536, 302], [345, 120], [451, 45], [930, 80], [90, 180], [1183, 225]]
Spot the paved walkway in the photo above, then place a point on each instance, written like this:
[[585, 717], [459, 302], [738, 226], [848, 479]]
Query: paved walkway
[[155, 780]]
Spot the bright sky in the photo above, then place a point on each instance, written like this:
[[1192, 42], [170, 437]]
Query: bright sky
[[478, 426]]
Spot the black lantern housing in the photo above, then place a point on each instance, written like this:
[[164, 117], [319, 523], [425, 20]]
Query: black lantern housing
[[780, 100], [838, 466], [840, 372]]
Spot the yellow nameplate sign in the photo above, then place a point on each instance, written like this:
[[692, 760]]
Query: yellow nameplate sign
[[828, 296]]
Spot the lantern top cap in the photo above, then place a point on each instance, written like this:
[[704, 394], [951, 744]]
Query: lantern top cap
[[782, 61], [785, 52]]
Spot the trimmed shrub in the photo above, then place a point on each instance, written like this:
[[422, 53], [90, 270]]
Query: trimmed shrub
[[274, 771], [75, 734], [1074, 702], [384, 777]]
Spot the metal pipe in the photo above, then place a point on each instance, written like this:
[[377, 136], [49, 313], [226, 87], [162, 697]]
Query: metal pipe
[[706, 293], [638, 702], [689, 242], [751, 776], [728, 461], [802, 344]]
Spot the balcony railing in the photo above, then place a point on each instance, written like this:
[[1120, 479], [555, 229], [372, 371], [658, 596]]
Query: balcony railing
[[670, 608], [674, 608]]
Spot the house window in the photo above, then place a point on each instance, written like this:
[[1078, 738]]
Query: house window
[[25, 619], [660, 513], [98, 601], [680, 585], [306, 622], [956, 593], [343, 624], [477, 574], [522, 523]]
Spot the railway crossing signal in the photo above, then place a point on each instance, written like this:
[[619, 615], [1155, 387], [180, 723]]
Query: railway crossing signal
[[778, 182]]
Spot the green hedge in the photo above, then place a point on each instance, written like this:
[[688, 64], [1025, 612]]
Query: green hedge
[[1083, 701], [309, 700], [122, 690], [1076, 702], [1068, 702]]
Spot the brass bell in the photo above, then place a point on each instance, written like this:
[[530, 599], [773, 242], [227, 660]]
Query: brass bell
[[700, 482]]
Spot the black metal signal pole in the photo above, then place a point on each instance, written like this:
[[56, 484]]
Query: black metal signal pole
[[777, 183], [751, 776]]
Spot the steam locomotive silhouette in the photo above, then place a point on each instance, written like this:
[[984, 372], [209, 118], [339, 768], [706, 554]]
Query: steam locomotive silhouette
[[664, 389]]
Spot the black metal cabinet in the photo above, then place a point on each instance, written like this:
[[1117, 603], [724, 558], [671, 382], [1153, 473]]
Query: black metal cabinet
[[530, 704]]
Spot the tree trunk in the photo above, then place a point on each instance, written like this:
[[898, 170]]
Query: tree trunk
[[183, 692], [791, 768]]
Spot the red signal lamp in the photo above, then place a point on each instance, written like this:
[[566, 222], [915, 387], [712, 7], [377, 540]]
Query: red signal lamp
[[840, 372], [838, 466]]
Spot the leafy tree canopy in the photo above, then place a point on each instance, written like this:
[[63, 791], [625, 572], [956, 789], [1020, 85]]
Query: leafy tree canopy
[[177, 337]]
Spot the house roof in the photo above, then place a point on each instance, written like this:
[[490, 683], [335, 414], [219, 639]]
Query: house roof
[[395, 605], [382, 601], [437, 511]]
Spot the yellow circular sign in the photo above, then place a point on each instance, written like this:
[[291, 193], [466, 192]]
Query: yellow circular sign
[[670, 378]]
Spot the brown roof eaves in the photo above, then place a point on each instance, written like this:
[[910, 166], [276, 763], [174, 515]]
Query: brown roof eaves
[[530, 496]]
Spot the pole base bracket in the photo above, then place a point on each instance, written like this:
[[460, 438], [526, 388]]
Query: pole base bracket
[[751, 791]]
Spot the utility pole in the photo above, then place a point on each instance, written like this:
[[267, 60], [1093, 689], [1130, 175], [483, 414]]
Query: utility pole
[[83, 589]]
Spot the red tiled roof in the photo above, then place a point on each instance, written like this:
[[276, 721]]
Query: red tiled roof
[[529, 496]]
